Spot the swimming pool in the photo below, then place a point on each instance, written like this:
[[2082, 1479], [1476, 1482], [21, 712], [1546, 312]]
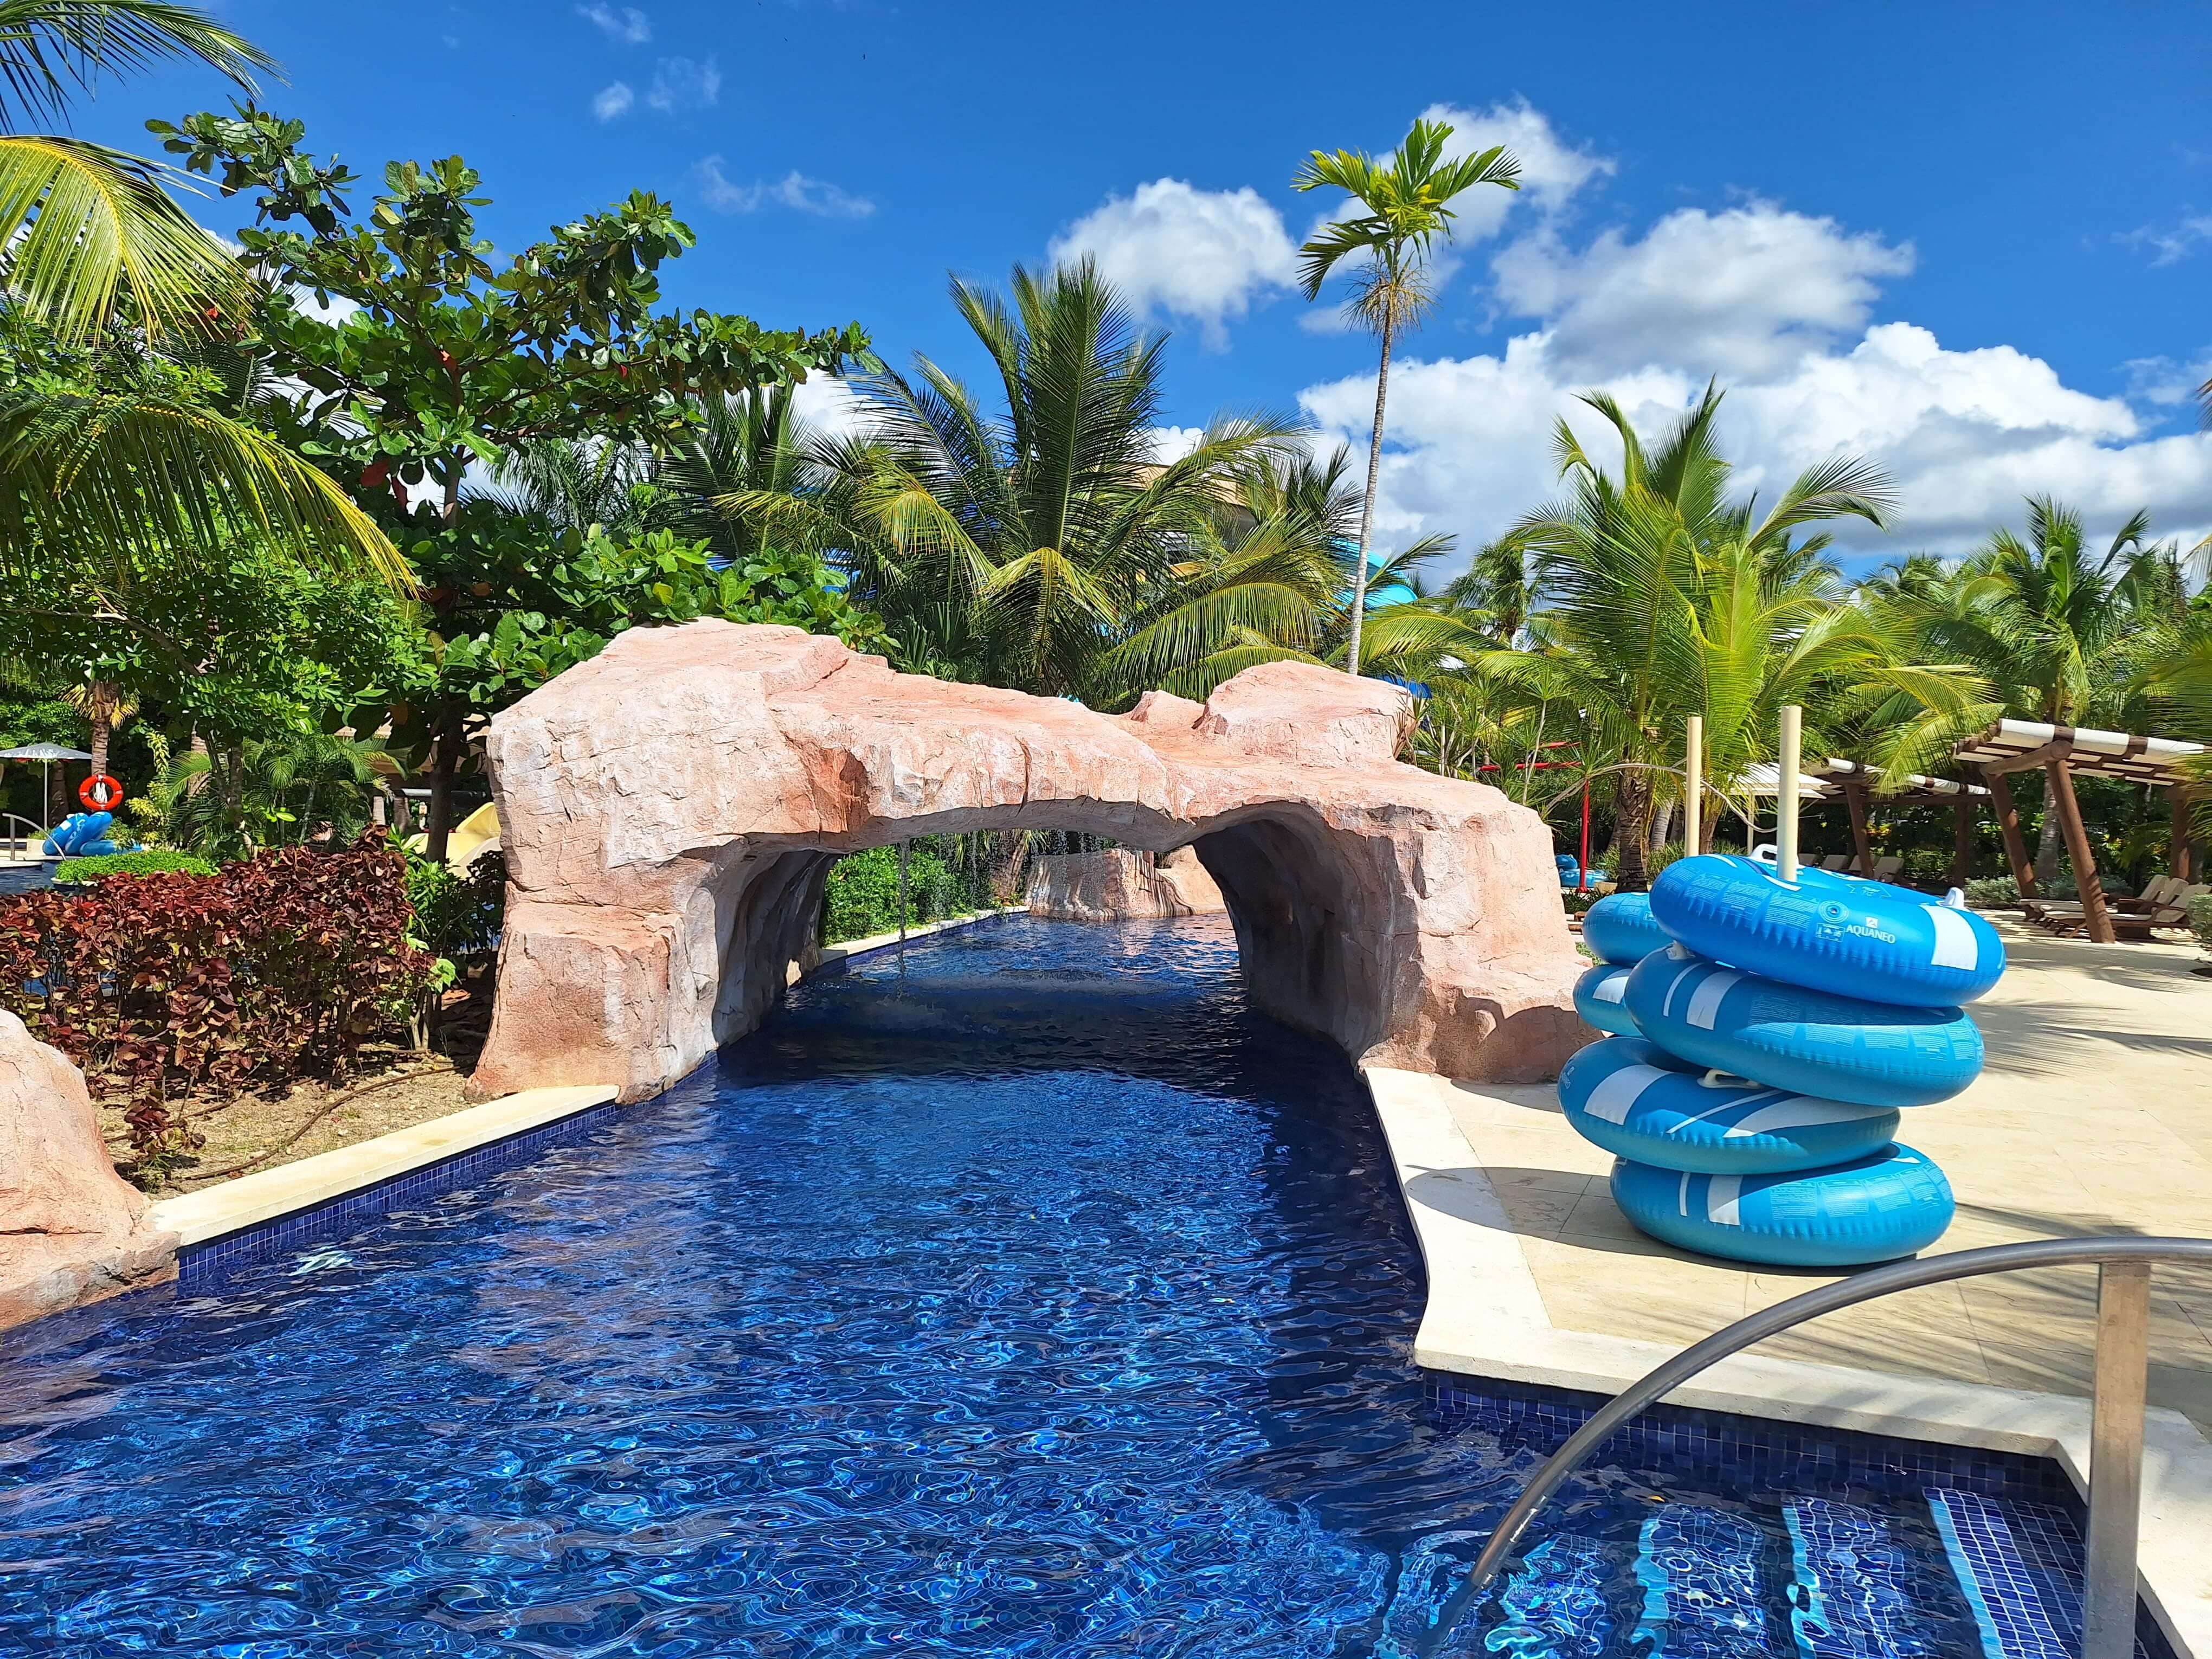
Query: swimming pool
[[1039, 1300]]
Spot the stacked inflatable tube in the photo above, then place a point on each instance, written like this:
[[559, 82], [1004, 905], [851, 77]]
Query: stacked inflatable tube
[[1768, 1037]]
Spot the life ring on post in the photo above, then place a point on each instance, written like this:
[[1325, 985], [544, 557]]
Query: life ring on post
[[99, 793]]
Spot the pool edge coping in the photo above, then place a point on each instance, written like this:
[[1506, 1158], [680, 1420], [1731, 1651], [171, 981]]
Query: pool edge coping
[[1484, 1316]]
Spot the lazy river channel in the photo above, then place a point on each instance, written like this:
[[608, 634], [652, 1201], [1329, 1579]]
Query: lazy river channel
[[1039, 1299]]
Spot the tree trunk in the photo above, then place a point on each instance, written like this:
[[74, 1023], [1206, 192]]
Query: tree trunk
[[1367, 503], [103, 700], [233, 787], [2048, 843], [445, 767], [1632, 810], [1662, 825]]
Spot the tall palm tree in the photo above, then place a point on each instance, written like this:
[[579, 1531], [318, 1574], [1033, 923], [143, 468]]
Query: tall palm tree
[[87, 225], [1407, 204], [1009, 546], [105, 705], [1667, 597]]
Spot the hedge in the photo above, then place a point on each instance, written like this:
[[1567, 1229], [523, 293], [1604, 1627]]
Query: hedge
[[275, 968]]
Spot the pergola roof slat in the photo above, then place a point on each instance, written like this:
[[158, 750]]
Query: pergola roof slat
[[2016, 745]]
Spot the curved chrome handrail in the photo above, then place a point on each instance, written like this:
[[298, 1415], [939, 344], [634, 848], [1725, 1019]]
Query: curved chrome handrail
[[2116, 1412]]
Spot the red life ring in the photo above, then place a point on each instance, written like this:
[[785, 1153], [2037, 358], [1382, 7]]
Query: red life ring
[[99, 793]]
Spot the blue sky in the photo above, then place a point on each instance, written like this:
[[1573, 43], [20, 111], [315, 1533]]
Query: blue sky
[[1974, 240]]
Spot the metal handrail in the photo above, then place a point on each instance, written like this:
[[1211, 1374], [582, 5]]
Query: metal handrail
[[38, 832], [2116, 1433]]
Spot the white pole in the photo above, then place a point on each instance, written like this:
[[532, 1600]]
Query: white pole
[[1694, 787], [1785, 835]]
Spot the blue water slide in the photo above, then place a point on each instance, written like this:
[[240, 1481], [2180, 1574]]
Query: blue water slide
[[1828, 932], [1893, 1203], [1812, 1042], [1632, 1098], [1619, 929]]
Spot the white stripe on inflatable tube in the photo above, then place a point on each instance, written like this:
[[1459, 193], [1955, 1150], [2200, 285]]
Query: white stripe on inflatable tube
[[1954, 941], [1721, 1196], [1613, 1098], [1800, 1112], [1610, 988], [1706, 1001]]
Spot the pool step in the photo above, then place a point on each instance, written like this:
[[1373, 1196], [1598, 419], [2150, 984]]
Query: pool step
[[1703, 1598], [1853, 1597]]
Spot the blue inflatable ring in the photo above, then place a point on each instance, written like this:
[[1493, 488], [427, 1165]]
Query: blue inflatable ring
[[1598, 1000], [1828, 932], [1619, 929], [1630, 1097], [1893, 1203], [1810, 1042]]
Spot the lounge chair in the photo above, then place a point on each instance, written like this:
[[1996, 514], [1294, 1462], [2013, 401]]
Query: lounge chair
[[2132, 928], [1887, 866], [1835, 861]]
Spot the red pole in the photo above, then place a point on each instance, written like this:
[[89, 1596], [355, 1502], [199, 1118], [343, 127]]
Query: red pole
[[1583, 881]]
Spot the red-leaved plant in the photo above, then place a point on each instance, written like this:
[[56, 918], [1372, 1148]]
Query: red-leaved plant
[[162, 986]]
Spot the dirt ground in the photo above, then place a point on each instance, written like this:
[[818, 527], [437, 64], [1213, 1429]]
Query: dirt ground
[[390, 1089]]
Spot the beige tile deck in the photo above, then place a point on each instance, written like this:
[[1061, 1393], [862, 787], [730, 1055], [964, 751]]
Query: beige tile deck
[[2094, 1115]]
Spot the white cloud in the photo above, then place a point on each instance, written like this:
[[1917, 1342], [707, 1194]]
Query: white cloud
[[2172, 245], [1778, 305], [624, 23], [1552, 170], [1172, 443], [612, 100], [2164, 382], [831, 406], [682, 83], [1746, 291], [794, 189], [1203, 254]]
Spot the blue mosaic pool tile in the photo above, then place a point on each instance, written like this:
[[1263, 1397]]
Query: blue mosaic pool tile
[[1703, 1595], [202, 1266], [1852, 1579], [2022, 1566], [1749, 1451]]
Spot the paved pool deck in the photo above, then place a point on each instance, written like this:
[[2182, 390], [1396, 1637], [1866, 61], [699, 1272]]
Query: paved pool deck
[[2094, 1114]]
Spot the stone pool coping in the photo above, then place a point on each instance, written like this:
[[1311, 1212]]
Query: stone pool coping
[[1485, 1317]]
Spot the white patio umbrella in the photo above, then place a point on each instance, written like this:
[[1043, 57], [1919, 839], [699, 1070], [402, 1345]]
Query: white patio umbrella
[[45, 754]]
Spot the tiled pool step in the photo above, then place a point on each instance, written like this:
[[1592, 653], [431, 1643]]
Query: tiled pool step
[[1704, 1583]]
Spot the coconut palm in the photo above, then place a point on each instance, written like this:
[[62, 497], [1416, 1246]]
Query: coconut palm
[[1667, 597], [1271, 582], [1406, 202], [88, 226], [2065, 634], [1009, 546]]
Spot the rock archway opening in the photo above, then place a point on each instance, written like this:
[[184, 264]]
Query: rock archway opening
[[670, 811]]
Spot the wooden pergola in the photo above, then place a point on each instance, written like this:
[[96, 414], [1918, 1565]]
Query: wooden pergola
[[2064, 752], [1855, 782]]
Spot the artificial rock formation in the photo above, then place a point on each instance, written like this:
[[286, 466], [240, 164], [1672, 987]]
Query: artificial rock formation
[[1116, 884], [669, 811], [71, 1228]]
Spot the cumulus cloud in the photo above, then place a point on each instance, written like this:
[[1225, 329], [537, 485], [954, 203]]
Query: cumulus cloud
[[1743, 292], [683, 84], [1552, 170], [794, 190], [624, 23], [612, 100], [1778, 305], [1172, 443], [1172, 247], [2166, 382]]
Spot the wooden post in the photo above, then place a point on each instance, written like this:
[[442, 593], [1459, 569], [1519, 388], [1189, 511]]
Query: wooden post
[[2077, 849], [2177, 857], [1862, 843], [2015, 844], [1785, 783], [1694, 787], [1962, 839]]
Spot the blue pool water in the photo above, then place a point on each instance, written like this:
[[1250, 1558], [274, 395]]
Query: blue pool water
[[1042, 1301]]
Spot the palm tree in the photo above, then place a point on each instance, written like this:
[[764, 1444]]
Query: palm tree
[[1271, 582], [1009, 547], [1407, 200], [1667, 597], [107, 705], [87, 225], [2062, 632]]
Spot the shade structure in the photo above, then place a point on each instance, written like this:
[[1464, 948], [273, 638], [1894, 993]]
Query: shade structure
[[2065, 752], [47, 756]]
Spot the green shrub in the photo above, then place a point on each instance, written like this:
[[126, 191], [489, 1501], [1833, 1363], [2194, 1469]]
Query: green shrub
[[457, 913], [132, 864], [2200, 919], [1992, 890]]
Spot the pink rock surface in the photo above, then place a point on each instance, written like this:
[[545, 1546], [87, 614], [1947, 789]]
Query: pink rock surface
[[669, 811], [70, 1226], [1116, 885]]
